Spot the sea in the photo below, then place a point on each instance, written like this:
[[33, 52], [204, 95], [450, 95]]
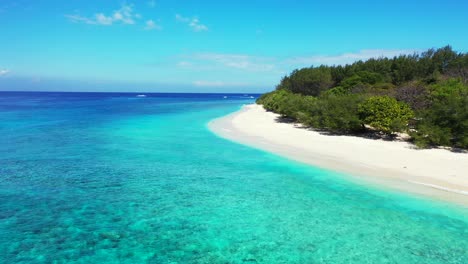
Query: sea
[[139, 178]]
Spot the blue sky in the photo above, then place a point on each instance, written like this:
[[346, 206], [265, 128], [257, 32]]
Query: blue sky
[[207, 46]]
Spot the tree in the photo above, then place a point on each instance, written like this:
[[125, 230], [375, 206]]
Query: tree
[[311, 81], [385, 113], [459, 68], [443, 57], [404, 68], [337, 113], [445, 122], [416, 96]]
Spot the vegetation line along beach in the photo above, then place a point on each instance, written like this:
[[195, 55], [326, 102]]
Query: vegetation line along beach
[[425, 95], [386, 118]]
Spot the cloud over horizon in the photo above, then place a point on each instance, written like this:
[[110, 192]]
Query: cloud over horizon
[[151, 25], [4, 72], [347, 58], [234, 61], [124, 15], [251, 63], [218, 84], [194, 23]]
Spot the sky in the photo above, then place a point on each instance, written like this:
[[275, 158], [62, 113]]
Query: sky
[[207, 46]]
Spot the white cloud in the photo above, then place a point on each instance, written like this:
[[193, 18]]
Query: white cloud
[[209, 83], [182, 19], [151, 25], [4, 72], [346, 58], [236, 61], [184, 64], [196, 26], [80, 19], [242, 66], [124, 15], [104, 20], [216, 84], [213, 61], [194, 23]]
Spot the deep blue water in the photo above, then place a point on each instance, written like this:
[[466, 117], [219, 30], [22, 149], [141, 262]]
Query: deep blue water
[[116, 178]]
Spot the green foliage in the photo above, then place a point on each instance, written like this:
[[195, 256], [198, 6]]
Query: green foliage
[[337, 113], [429, 134], [383, 93], [445, 122], [428, 66], [351, 82], [362, 78], [383, 86], [308, 81], [459, 69], [333, 112], [274, 100], [286, 103], [404, 68], [385, 113], [338, 90]]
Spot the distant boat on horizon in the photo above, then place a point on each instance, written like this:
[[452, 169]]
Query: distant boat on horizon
[[141, 95]]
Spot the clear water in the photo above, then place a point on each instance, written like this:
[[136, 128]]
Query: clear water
[[114, 178]]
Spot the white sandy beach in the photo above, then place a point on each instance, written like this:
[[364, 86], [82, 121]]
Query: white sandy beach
[[431, 172]]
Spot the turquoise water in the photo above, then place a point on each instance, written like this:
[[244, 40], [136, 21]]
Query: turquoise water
[[112, 178]]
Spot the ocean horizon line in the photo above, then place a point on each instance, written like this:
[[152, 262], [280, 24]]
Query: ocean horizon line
[[112, 92]]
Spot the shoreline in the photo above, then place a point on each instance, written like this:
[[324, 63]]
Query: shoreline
[[432, 173]]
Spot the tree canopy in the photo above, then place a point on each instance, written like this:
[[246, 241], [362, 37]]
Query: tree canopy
[[424, 94], [385, 113]]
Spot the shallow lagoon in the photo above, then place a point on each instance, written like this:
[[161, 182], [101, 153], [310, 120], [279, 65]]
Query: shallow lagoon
[[115, 178]]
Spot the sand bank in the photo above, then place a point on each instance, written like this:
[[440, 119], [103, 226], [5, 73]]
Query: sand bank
[[436, 173]]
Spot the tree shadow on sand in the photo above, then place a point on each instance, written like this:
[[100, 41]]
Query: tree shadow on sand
[[367, 134]]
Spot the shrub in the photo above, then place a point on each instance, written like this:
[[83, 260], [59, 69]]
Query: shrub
[[385, 113], [337, 113], [445, 122]]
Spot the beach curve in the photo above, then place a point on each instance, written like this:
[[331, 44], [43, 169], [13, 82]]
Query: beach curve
[[434, 173]]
